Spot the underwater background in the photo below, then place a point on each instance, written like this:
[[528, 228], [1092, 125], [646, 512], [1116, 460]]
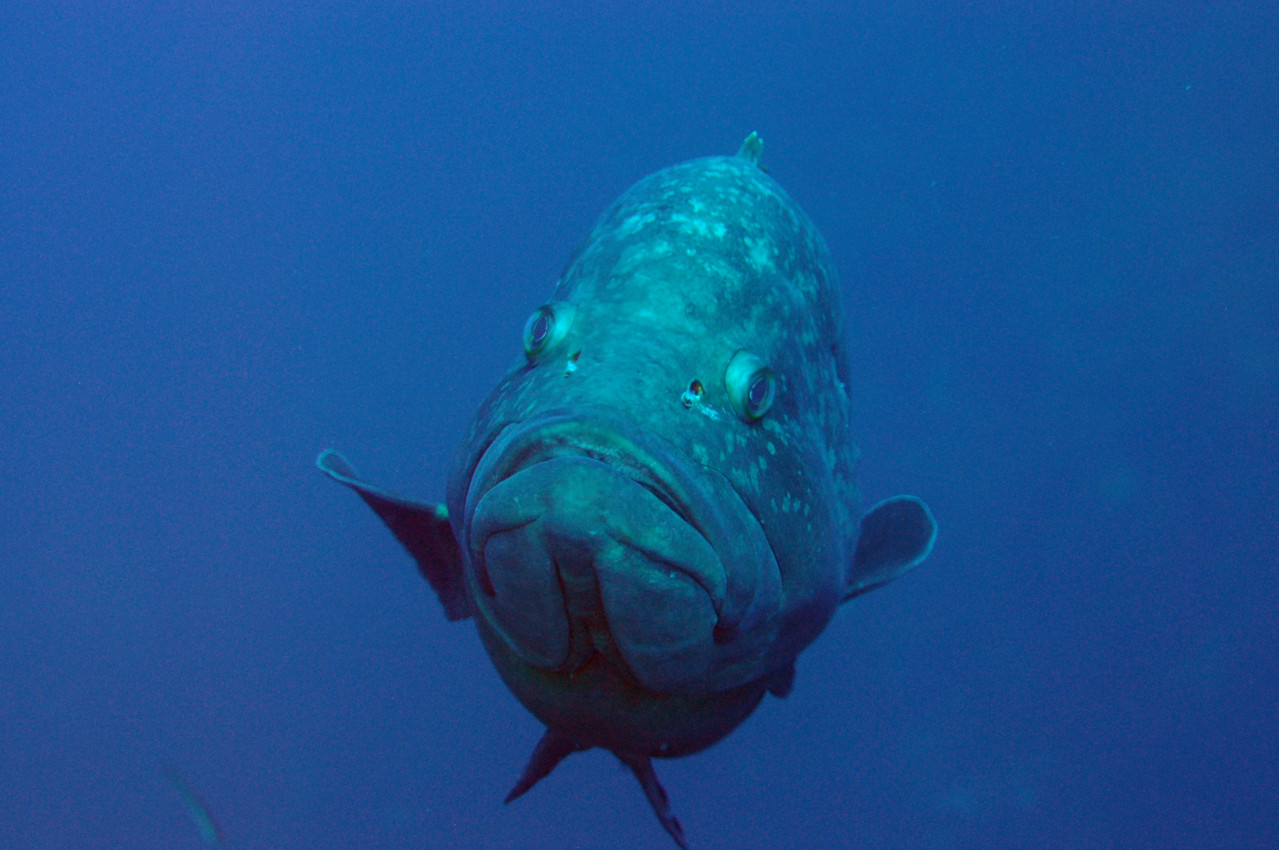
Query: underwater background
[[235, 234]]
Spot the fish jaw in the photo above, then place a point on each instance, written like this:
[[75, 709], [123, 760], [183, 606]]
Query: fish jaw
[[584, 538]]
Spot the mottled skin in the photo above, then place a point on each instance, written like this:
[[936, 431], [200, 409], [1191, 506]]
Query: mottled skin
[[644, 547]]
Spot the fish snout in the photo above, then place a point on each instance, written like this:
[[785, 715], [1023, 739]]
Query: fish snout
[[574, 558]]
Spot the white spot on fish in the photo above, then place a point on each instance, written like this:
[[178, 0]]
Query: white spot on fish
[[698, 453], [635, 223], [761, 255]]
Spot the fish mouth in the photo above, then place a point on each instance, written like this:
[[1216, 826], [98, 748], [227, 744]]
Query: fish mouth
[[588, 535]]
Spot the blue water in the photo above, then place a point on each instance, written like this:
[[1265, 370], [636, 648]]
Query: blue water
[[232, 237]]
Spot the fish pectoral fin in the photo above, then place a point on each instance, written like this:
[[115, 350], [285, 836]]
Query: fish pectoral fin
[[549, 752], [896, 535], [423, 530], [642, 767]]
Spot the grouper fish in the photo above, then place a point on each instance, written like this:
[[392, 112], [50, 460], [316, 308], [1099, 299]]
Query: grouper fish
[[656, 509]]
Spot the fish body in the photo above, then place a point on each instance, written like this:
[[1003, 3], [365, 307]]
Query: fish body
[[656, 510]]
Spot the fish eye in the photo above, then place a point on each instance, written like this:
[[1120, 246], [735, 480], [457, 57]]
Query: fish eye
[[546, 327], [751, 385], [538, 330]]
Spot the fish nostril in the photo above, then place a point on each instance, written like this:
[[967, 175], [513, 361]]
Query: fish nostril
[[693, 395]]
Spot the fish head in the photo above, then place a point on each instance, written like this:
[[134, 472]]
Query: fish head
[[656, 508]]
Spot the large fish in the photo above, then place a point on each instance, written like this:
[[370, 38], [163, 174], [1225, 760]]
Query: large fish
[[655, 511]]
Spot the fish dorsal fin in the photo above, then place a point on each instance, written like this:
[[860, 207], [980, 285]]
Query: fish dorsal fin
[[423, 530], [896, 535], [751, 149]]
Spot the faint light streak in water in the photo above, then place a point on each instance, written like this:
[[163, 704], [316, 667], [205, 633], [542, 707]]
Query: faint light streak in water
[[209, 830]]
